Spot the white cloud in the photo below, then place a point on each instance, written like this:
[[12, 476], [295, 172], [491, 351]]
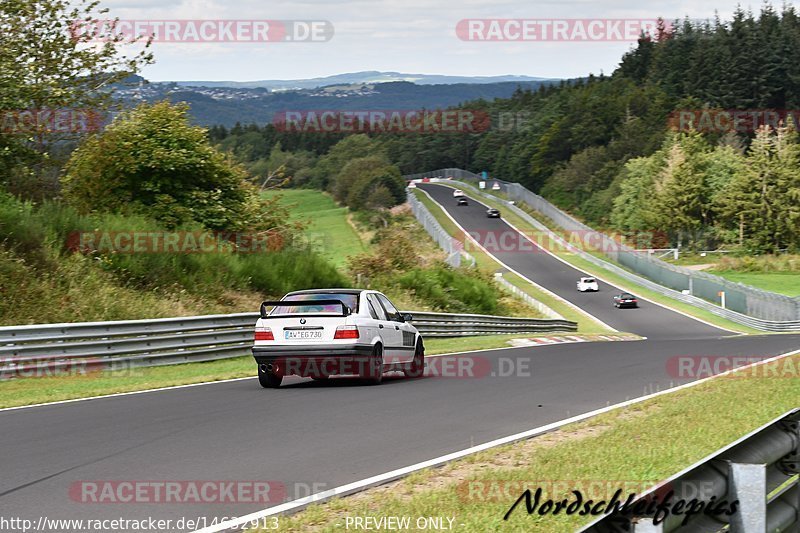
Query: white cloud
[[398, 35]]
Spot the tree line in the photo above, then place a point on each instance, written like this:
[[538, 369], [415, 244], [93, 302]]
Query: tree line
[[586, 143]]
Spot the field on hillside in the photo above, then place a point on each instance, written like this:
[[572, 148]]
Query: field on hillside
[[333, 237]]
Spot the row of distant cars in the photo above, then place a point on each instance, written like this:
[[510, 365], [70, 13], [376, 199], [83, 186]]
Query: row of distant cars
[[462, 200], [621, 300]]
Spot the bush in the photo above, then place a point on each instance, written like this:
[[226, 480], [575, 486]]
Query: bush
[[447, 289], [150, 160]]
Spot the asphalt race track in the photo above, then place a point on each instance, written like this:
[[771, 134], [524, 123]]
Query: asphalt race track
[[318, 435], [650, 320]]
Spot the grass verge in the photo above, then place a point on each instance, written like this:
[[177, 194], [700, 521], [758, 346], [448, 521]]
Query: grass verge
[[329, 229], [786, 283], [630, 448]]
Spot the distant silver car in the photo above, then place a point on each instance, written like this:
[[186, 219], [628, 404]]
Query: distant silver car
[[493, 213], [458, 193]]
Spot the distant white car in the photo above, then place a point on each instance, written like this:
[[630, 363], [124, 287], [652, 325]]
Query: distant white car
[[496, 186], [324, 332], [588, 285], [458, 193]]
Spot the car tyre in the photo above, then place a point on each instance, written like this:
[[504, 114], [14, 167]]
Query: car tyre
[[269, 380], [417, 366], [374, 371]]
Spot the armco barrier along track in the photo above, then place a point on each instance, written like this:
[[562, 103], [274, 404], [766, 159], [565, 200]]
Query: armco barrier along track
[[165, 341], [764, 310], [758, 471]]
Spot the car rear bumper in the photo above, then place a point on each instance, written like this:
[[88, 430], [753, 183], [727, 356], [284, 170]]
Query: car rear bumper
[[316, 360]]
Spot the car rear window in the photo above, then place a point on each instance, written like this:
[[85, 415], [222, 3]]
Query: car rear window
[[588, 280], [350, 300]]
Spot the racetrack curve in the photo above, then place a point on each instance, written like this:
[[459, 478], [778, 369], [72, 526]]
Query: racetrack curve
[[506, 244], [318, 435]]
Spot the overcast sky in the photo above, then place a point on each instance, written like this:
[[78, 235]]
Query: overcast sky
[[417, 36]]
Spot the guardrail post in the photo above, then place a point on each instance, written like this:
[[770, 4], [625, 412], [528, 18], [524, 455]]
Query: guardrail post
[[748, 484]]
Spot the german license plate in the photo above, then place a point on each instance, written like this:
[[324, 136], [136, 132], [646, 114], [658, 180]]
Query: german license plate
[[296, 335]]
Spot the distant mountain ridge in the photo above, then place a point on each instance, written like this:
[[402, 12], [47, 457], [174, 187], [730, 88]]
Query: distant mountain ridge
[[228, 105], [364, 77]]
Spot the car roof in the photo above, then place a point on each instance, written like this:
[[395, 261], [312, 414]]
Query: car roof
[[327, 291]]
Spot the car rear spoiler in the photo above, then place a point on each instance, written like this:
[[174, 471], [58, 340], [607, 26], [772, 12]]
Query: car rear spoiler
[[283, 303]]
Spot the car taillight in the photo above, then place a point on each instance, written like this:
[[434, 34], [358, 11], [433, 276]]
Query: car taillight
[[264, 334], [346, 332]]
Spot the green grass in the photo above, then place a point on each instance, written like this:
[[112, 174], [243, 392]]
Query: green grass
[[33, 390], [787, 283], [628, 448], [333, 236]]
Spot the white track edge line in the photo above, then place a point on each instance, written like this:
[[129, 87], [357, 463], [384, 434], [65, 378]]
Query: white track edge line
[[386, 477]]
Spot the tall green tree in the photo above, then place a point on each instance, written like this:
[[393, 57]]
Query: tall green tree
[[57, 67]]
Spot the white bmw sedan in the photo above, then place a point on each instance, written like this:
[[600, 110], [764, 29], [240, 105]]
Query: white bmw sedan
[[324, 332]]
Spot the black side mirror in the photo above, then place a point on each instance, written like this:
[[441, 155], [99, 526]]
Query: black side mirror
[[406, 317]]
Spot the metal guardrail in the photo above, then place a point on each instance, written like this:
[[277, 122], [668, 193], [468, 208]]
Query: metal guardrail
[[457, 325], [449, 243], [36, 350], [759, 470], [527, 298], [740, 318], [452, 247]]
